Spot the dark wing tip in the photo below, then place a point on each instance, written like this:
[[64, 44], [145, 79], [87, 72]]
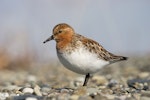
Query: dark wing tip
[[120, 58], [124, 58]]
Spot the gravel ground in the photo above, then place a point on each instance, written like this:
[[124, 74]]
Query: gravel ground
[[128, 80]]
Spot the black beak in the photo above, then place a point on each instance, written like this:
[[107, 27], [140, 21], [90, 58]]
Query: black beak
[[50, 38]]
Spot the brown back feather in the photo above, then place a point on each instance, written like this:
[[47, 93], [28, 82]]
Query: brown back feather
[[95, 47]]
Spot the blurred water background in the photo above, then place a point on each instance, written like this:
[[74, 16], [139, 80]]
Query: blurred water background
[[122, 27]]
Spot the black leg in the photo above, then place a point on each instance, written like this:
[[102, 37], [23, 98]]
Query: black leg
[[86, 79]]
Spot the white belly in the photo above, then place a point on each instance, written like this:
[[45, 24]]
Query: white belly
[[82, 61]]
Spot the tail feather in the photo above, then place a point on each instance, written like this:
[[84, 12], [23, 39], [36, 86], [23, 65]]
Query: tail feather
[[124, 58]]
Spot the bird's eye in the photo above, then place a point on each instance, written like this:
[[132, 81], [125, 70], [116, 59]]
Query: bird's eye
[[59, 31]]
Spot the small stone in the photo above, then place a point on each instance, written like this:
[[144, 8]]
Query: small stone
[[28, 90], [37, 90], [146, 86], [111, 97], [102, 87], [112, 83], [18, 92], [45, 90], [143, 74], [92, 91], [64, 91], [74, 97], [139, 86], [31, 98], [78, 81], [53, 95], [3, 96], [123, 97]]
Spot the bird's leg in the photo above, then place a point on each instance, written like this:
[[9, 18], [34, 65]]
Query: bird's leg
[[86, 79]]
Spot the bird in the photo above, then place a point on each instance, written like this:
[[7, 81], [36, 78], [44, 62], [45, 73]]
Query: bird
[[80, 54]]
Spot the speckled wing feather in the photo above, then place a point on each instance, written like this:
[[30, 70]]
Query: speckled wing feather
[[95, 47]]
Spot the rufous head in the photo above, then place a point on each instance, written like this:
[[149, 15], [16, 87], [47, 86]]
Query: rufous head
[[61, 32]]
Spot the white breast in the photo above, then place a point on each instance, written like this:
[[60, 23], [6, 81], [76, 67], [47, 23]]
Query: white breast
[[82, 61]]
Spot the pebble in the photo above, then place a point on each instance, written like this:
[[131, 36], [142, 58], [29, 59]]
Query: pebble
[[28, 90], [53, 95], [28, 97], [74, 97], [4, 95], [37, 90], [31, 98], [143, 74], [64, 91], [92, 91], [45, 90], [112, 83], [78, 81], [138, 86], [110, 97]]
